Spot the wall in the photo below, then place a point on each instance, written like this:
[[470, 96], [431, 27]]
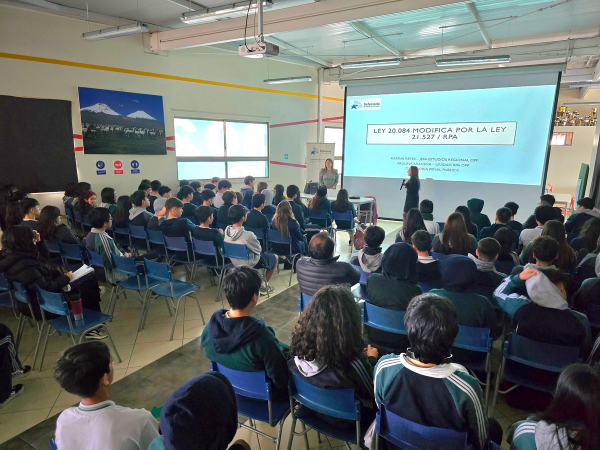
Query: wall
[[33, 50]]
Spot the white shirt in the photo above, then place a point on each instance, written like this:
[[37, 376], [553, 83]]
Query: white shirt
[[218, 200], [529, 235], [432, 227], [105, 426]]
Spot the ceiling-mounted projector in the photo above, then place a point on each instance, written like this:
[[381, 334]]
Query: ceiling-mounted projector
[[258, 50]]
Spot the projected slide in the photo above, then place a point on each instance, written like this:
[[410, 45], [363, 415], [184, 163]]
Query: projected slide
[[495, 135]]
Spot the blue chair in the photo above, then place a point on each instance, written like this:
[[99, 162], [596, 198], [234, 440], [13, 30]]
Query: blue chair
[[70, 252], [363, 275], [383, 318], [303, 301], [192, 219], [438, 256], [550, 358], [476, 340], [593, 314], [179, 245], [441, 224], [269, 217], [254, 400], [322, 215], [168, 288], [21, 295], [77, 219], [259, 233], [238, 251], [70, 216], [6, 295], [427, 286], [308, 403], [96, 262], [275, 237], [137, 232], [52, 444], [570, 237], [55, 303], [53, 249], [411, 436], [346, 216], [208, 248], [121, 235], [155, 237]]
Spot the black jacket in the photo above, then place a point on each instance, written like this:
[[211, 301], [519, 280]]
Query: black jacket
[[515, 225], [197, 198], [488, 232], [189, 210], [256, 219], [223, 214], [298, 214], [313, 274]]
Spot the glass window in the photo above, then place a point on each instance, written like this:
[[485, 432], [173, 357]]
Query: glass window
[[239, 169], [337, 164], [195, 170], [199, 138], [335, 136], [246, 139]]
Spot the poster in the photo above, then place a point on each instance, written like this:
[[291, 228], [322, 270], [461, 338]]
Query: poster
[[316, 155]]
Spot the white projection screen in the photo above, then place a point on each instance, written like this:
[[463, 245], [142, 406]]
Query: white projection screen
[[482, 134]]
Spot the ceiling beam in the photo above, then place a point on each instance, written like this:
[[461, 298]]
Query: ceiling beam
[[193, 5], [366, 31], [288, 19], [584, 90], [43, 5], [298, 51], [482, 31]]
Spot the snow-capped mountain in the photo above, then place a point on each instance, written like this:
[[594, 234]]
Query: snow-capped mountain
[[101, 108], [140, 115]]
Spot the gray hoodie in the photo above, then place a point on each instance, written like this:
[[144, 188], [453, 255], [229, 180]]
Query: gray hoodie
[[544, 293], [547, 438], [238, 235], [590, 212], [369, 263], [134, 212], [482, 266]]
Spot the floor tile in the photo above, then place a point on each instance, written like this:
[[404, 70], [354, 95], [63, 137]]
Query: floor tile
[[123, 335], [125, 352], [38, 394], [130, 370], [180, 370], [192, 329], [57, 410], [12, 424], [156, 332], [119, 374], [144, 354], [66, 399]]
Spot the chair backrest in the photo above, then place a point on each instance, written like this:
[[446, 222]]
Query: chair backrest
[[155, 237], [52, 245], [570, 237], [121, 230], [192, 219], [247, 384], [258, 232], [124, 265], [21, 293], [427, 286], [363, 275], [383, 318], [157, 270], [207, 248], [322, 214], [76, 215], [473, 338], [137, 231], [339, 403], [5, 284], [94, 258], [438, 256], [275, 237], [269, 217], [593, 314], [303, 301], [412, 436], [346, 215], [540, 355], [583, 273], [70, 251], [176, 244], [222, 226], [441, 225], [236, 251], [52, 302]]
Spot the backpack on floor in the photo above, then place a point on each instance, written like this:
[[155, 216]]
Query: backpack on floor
[[359, 239]]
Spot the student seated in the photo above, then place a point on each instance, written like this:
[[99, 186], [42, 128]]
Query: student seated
[[164, 193], [455, 240], [87, 202], [239, 341], [589, 292], [543, 214], [319, 203], [588, 237], [154, 194], [222, 187], [426, 208], [204, 232], [208, 196], [235, 234], [300, 213], [86, 370], [70, 194], [284, 222], [183, 183], [256, 218], [240, 200], [146, 187], [341, 205], [51, 228], [229, 199], [475, 206], [512, 223], [171, 224], [11, 368], [471, 227], [330, 354], [138, 215], [279, 194], [13, 216], [427, 267], [261, 188], [393, 289], [82, 188], [545, 200], [31, 212], [186, 195], [566, 257], [583, 213], [506, 255], [414, 222], [572, 421], [321, 268], [423, 385], [369, 258], [197, 195], [109, 199], [488, 278], [211, 186], [503, 216]]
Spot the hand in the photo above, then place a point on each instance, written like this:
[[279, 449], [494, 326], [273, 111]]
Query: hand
[[528, 273], [70, 275], [221, 231], [127, 255], [37, 236], [371, 351]]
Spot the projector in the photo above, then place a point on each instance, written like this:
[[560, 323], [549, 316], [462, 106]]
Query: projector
[[258, 50]]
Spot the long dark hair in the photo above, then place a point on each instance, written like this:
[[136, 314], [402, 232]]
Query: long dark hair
[[414, 222], [566, 256], [261, 186], [466, 213], [315, 202], [590, 233], [46, 225], [335, 343], [83, 205], [575, 408], [282, 214], [342, 203], [505, 238], [124, 204], [456, 239], [14, 214], [18, 239], [278, 188], [71, 190], [108, 195]]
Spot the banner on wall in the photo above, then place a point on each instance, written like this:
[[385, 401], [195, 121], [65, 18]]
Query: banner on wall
[[316, 154]]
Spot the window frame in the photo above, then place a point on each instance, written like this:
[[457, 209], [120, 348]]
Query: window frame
[[341, 157], [225, 158]]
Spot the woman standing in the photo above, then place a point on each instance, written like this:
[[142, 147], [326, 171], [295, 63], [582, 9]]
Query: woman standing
[[328, 176], [412, 190]]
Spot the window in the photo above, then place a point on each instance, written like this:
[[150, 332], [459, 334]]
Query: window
[[219, 148], [336, 136], [562, 139]]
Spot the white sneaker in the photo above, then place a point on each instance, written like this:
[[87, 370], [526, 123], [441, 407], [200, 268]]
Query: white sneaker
[[102, 290], [96, 335], [26, 370], [17, 390]]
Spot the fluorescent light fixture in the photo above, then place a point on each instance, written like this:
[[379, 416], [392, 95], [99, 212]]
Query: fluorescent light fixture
[[125, 30], [585, 84], [370, 63], [474, 60], [287, 80], [211, 14], [581, 104]]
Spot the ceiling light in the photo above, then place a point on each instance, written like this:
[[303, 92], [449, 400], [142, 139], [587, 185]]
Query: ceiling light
[[474, 60], [581, 104], [584, 84], [370, 63], [125, 30], [287, 80], [211, 14]]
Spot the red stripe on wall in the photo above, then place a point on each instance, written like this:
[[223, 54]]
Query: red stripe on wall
[[328, 119], [171, 149], [279, 163], [77, 136], [78, 149], [170, 138]]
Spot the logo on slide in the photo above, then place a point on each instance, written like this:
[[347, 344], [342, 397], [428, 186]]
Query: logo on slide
[[371, 104]]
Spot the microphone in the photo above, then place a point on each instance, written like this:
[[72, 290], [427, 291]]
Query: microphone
[[403, 183]]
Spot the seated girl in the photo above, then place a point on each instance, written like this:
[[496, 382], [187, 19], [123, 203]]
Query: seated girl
[[286, 223]]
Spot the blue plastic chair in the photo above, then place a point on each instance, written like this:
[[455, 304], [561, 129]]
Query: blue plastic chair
[[275, 237], [208, 248], [192, 219], [259, 233], [7, 299], [254, 400], [438, 256], [52, 444], [364, 276], [155, 237], [322, 215], [77, 219], [55, 303], [269, 217], [121, 235], [238, 251], [168, 288], [96, 261], [347, 216], [53, 248], [70, 252], [570, 237], [303, 301], [308, 402], [441, 224], [383, 318], [21, 295], [179, 245], [137, 232], [411, 436], [539, 355], [427, 286]]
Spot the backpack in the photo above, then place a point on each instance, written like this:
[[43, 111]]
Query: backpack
[[359, 239]]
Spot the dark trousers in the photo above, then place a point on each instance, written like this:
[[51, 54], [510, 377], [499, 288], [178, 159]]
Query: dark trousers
[[9, 361]]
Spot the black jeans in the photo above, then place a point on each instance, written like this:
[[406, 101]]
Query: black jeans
[[9, 361]]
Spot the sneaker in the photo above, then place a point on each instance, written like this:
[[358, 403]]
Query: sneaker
[[265, 288], [25, 370], [102, 290], [17, 390], [96, 335]]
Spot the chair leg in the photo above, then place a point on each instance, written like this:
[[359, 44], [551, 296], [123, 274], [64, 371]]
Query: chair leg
[[37, 345], [110, 300], [45, 346], [305, 435], [318, 437], [20, 329], [499, 376], [113, 343], [176, 312], [145, 302], [487, 385], [292, 431], [376, 441], [279, 433], [199, 309]]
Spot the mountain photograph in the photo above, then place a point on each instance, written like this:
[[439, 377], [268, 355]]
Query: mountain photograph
[[121, 123]]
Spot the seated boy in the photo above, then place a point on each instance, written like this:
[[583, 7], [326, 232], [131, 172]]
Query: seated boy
[[503, 216], [475, 206], [229, 199], [97, 423], [543, 251], [543, 214], [222, 187], [204, 232], [512, 223], [235, 234], [164, 192], [153, 195], [138, 215], [423, 386], [240, 341], [426, 208], [488, 279], [31, 212], [186, 195], [369, 258], [255, 218], [197, 196], [427, 267]]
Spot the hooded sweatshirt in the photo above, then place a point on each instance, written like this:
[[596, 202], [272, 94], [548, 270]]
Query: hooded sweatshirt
[[246, 344], [139, 216], [532, 435], [237, 235], [491, 230], [576, 221], [268, 193], [487, 279], [369, 259], [589, 292], [475, 205]]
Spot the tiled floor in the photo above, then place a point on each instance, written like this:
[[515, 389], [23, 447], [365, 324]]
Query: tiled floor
[[153, 366]]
